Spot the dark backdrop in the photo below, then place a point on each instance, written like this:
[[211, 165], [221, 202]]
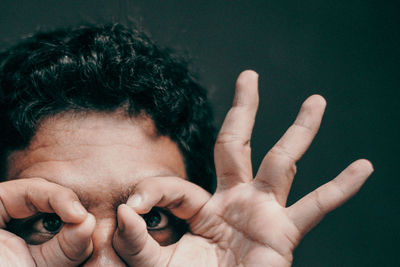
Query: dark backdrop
[[348, 51]]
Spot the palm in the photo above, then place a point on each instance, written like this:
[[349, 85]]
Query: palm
[[249, 225]]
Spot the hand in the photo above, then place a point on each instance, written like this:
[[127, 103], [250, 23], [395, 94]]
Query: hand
[[26, 197], [246, 222]]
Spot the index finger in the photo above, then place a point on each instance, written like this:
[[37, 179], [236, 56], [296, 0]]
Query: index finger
[[183, 198], [25, 197]]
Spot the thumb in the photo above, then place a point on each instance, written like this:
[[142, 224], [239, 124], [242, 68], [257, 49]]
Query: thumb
[[134, 244], [70, 247]]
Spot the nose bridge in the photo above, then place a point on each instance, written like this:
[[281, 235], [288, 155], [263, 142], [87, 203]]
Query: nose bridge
[[103, 251]]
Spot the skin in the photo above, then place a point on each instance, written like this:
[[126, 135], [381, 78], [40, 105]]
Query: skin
[[99, 157], [245, 223]]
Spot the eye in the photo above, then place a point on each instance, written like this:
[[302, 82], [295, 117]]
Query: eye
[[156, 219], [48, 223], [37, 229]]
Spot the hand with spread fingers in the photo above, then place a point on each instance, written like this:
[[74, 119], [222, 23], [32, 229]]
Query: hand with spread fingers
[[246, 221], [39, 198]]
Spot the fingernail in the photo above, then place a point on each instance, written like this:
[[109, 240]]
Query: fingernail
[[134, 201], [257, 75], [79, 209], [120, 223], [121, 226]]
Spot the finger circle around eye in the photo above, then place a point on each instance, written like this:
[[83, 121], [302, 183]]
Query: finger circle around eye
[[52, 222], [156, 219]]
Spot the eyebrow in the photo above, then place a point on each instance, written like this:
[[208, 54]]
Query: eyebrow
[[116, 197], [120, 196]]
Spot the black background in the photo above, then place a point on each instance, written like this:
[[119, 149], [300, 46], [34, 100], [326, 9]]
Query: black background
[[347, 51]]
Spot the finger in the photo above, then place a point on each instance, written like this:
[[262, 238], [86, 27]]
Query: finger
[[133, 243], [14, 251], [70, 247], [278, 167], [25, 197], [310, 210], [183, 198], [232, 153]]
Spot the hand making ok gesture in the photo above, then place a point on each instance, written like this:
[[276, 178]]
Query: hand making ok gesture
[[246, 221]]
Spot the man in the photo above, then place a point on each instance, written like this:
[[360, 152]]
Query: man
[[104, 138]]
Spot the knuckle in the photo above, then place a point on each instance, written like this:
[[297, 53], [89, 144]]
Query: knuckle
[[281, 152], [282, 159], [36, 180], [318, 203], [226, 138], [69, 248], [302, 126], [68, 192], [231, 140], [226, 174], [293, 169], [338, 187], [176, 204], [150, 182]]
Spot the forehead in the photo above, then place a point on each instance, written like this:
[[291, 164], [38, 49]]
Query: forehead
[[97, 153]]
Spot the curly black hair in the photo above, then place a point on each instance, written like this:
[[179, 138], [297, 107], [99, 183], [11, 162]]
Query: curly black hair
[[105, 68]]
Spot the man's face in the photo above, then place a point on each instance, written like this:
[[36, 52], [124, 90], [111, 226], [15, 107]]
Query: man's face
[[100, 156]]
